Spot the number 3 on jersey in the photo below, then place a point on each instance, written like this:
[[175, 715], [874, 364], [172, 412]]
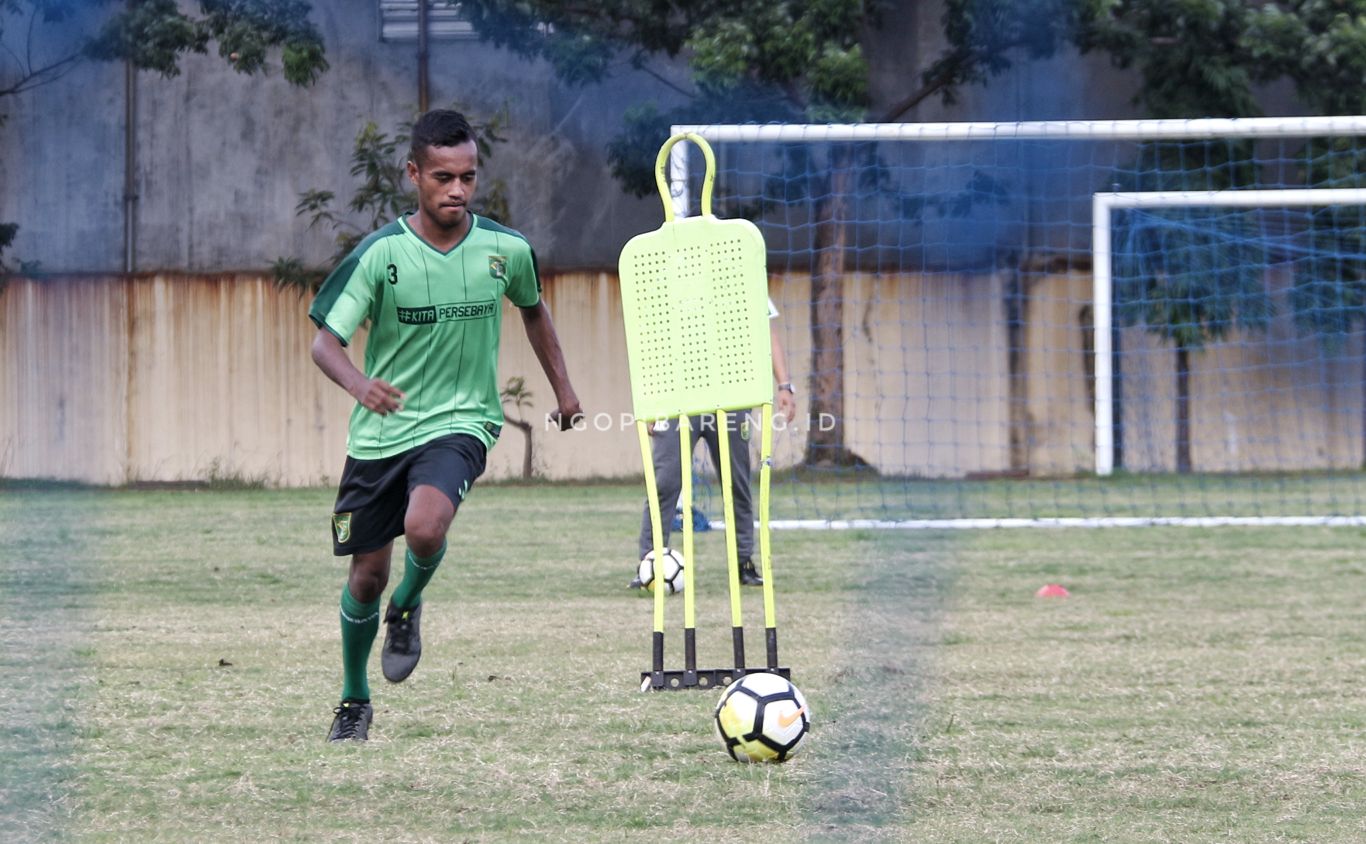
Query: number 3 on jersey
[[393, 274]]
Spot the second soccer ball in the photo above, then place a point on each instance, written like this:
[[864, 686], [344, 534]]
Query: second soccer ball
[[672, 571]]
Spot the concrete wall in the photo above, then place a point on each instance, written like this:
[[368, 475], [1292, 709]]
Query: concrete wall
[[223, 157], [1067, 86]]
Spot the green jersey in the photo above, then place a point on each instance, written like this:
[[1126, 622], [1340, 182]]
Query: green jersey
[[435, 319]]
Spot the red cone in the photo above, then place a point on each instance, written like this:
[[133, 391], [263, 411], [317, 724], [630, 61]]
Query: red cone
[[1051, 590]]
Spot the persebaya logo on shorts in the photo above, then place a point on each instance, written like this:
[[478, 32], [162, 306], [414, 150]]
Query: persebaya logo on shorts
[[453, 312], [341, 526], [498, 266]]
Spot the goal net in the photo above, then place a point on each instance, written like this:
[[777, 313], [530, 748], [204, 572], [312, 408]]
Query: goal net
[[1062, 322]]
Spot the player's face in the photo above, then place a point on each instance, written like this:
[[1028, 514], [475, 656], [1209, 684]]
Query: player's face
[[446, 178]]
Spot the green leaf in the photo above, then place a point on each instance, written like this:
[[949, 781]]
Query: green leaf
[[156, 34]]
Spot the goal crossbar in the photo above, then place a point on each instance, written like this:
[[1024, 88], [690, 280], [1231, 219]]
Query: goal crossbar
[[1097, 130], [1078, 130]]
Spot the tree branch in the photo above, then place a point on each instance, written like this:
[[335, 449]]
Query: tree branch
[[964, 59], [25, 83], [665, 82], [925, 92]]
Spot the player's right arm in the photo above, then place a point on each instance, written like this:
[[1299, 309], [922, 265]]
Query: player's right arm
[[346, 299], [375, 394]]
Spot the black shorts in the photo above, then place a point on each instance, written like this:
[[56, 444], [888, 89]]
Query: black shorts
[[372, 497]]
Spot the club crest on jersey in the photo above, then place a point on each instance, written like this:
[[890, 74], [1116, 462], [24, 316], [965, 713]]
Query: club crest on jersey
[[341, 526], [498, 266]]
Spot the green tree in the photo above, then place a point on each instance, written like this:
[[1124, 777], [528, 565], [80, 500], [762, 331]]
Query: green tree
[[1197, 58], [1322, 46], [1191, 281], [153, 35], [156, 34], [985, 37], [803, 61], [1181, 283], [1193, 58], [1201, 58], [380, 162], [791, 61], [758, 61]]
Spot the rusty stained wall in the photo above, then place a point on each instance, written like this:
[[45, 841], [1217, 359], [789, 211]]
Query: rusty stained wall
[[64, 382], [161, 378], [928, 383], [1058, 373], [222, 384], [925, 373], [1273, 402], [1266, 402], [164, 378], [169, 378], [586, 308]]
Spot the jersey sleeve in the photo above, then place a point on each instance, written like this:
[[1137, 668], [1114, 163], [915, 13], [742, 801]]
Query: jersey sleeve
[[346, 296], [524, 278]]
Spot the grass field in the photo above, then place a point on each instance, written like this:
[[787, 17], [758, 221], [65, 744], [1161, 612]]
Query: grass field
[[171, 661], [807, 493]]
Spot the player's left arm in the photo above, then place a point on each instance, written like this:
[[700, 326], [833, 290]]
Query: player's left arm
[[785, 396], [540, 330], [787, 403]]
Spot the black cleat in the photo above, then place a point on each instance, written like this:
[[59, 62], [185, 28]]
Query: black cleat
[[748, 576], [402, 642], [352, 722], [635, 579]]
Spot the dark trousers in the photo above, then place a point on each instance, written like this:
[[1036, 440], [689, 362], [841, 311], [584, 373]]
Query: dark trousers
[[669, 476]]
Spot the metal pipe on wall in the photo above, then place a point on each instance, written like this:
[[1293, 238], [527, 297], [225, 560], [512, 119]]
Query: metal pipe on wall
[[422, 91], [130, 163]]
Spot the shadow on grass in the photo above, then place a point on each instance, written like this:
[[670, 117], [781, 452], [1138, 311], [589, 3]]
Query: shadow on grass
[[872, 720], [43, 661]]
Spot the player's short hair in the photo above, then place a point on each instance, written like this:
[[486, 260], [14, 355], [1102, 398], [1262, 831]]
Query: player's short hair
[[439, 128]]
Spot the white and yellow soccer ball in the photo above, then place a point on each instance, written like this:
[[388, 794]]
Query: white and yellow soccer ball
[[672, 572], [762, 718]]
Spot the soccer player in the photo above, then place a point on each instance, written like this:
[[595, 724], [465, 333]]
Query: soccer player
[[428, 408], [667, 457]]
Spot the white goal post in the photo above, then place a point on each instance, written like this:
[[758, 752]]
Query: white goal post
[[1101, 206]]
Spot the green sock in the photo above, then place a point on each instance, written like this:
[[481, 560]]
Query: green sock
[[359, 624], [417, 572]]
